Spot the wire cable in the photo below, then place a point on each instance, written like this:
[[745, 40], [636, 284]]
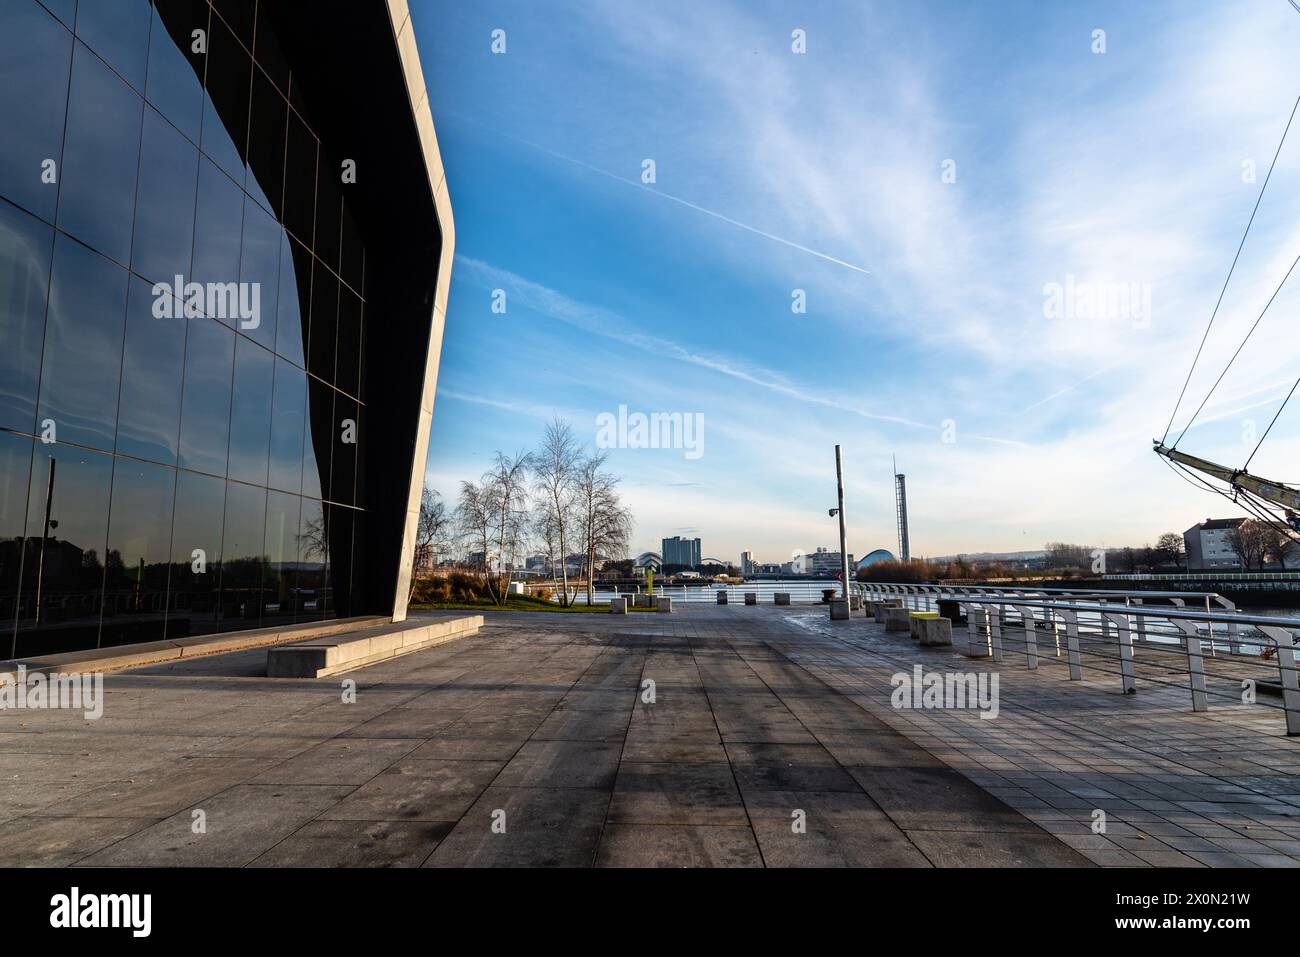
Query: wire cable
[[1272, 423], [1224, 290], [1249, 333]]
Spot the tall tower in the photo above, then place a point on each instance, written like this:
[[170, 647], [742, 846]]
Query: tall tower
[[900, 501]]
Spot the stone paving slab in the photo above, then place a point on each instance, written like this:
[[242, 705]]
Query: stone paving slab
[[770, 741]]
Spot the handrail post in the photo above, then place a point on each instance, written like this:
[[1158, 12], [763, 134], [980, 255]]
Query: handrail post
[[1128, 677], [1195, 663], [1031, 639], [995, 632], [1286, 667], [1072, 643], [1234, 630], [1141, 620]]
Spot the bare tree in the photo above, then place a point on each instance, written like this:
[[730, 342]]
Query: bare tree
[[1249, 541], [1170, 550], [430, 531], [555, 477], [605, 524], [507, 503], [474, 519], [1277, 544]]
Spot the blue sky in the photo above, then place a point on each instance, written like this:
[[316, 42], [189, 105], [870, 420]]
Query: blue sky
[[925, 334]]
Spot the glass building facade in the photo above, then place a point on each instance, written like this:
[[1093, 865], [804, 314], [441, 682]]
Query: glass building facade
[[174, 466]]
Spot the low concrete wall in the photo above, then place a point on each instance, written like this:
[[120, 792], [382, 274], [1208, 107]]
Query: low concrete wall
[[156, 652], [320, 657]]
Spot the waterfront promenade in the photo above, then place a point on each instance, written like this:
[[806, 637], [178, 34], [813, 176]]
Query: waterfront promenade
[[771, 741]]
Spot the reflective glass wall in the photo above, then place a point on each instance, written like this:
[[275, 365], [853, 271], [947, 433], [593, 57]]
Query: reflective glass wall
[[182, 310]]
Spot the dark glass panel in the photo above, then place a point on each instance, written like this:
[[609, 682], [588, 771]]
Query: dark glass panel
[[225, 107], [164, 208], [250, 412], [65, 10], [294, 301], [313, 551], [352, 595], [242, 557], [352, 253], [260, 264], [359, 472], [288, 414], [175, 68], [348, 366], [217, 228], [25, 245], [343, 528], [82, 359], [267, 52], [119, 33], [100, 156], [15, 465], [64, 554], [279, 584], [139, 552], [266, 131], [196, 554], [343, 463], [318, 439], [34, 55], [300, 180], [239, 15], [205, 408], [329, 207], [323, 338], [153, 359], [361, 358]]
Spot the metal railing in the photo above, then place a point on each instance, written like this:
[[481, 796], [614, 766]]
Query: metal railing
[[1128, 637]]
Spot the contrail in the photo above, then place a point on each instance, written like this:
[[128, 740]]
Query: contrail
[[676, 199]]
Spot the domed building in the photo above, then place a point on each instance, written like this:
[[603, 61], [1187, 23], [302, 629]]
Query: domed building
[[879, 555]]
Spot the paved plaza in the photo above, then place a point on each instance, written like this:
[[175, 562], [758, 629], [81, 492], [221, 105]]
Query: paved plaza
[[770, 741]]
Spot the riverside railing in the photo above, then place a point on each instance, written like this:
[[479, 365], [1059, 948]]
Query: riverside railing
[[1163, 646]]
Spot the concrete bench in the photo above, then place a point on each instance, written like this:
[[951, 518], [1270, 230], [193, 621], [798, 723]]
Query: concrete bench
[[665, 605], [722, 598], [319, 657], [898, 619], [618, 606], [917, 618], [751, 598], [933, 631], [880, 607], [781, 598]]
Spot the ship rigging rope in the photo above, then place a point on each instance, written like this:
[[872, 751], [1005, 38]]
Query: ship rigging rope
[[1222, 291], [1249, 333]]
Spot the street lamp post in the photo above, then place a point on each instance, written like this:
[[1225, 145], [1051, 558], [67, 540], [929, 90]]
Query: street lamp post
[[844, 554]]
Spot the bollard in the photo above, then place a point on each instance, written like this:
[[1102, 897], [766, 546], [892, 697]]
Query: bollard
[[665, 604], [839, 611], [722, 597], [618, 606], [751, 598], [781, 598]]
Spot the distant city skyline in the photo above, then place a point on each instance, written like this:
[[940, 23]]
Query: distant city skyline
[[1004, 291]]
